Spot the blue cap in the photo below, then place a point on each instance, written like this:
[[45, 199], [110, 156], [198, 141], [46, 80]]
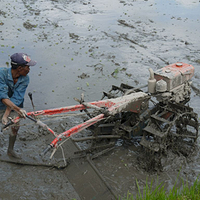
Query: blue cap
[[22, 59]]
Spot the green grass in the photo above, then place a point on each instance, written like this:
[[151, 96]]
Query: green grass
[[159, 193]]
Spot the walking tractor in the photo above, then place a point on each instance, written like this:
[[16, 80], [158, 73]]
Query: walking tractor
[[159, 118]]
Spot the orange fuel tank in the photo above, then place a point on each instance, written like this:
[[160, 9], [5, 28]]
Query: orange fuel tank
[[175, 74]]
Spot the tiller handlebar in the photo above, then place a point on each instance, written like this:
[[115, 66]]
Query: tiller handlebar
[[134, 102]]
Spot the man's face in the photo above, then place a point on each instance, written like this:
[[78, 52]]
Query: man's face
[[24, 70]]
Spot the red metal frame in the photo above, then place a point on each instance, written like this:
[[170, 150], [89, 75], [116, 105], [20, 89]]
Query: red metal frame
[[112, 106]]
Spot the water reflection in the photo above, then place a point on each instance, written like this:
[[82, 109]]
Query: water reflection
[[179, 8], [189, 3]]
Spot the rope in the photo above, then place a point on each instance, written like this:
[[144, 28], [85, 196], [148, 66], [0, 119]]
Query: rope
[[60, 145]]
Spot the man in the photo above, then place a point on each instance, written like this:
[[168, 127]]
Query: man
[[13, 84]]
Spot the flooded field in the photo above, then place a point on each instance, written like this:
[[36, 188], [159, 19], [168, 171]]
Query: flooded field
[[85, 47]]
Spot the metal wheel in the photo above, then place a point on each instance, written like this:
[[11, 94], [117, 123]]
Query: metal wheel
[[187, 127]]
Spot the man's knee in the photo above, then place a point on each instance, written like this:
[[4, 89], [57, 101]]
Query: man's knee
[[14, 130]]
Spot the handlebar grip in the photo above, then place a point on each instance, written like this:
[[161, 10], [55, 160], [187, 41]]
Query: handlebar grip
[[30, 96], [29, 117]]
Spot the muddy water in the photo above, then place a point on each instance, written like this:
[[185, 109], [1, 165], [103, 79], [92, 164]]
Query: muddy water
[[86, 46]]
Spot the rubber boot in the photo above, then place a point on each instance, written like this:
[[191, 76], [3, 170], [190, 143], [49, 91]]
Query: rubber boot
[[10, 151]]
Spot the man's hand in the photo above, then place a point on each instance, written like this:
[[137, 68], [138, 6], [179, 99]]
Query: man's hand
[[22, 113], [4, 119], [5, 116]]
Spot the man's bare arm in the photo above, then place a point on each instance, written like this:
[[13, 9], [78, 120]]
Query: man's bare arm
[[12, 106]]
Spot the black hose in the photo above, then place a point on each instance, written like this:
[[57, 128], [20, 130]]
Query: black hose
[[7, 125]]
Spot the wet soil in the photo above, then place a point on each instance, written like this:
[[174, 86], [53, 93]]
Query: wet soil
[[85, 47]]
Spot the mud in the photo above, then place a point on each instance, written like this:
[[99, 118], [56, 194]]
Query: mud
[[85, 47]]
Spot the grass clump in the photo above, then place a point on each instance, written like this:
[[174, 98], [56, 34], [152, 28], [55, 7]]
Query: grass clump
[[186, 192]]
